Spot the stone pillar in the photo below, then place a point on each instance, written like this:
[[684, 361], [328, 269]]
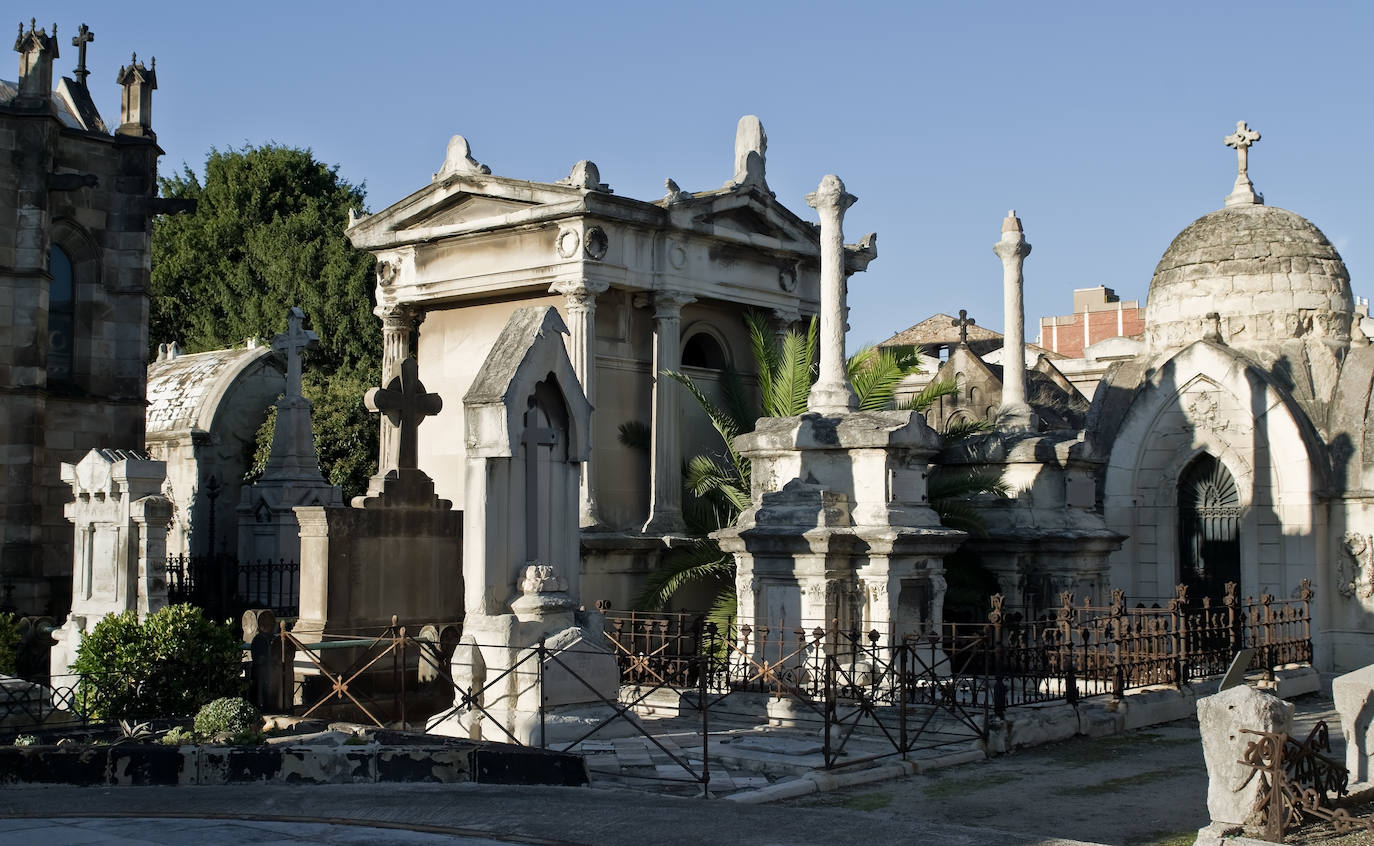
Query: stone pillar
[[665, 486], [1012, 249], [398, 323], [832, 393], [580, 308], [152, 515]]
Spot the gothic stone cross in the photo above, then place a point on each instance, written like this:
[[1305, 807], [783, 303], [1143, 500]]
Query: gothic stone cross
[[292, 342], [534, 437], [963, 321], [405, 404], [83, 37], [1242, 140]]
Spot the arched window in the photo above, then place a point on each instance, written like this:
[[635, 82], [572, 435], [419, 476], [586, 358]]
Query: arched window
[[61, 316], [704, 351]]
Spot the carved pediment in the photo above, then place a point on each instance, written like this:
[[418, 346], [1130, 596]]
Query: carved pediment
[[746, 220]]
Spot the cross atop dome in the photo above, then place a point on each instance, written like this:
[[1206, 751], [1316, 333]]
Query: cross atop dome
[[1243, 193]]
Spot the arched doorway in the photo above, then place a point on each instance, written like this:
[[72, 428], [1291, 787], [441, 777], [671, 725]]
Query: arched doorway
[[1208, 528]]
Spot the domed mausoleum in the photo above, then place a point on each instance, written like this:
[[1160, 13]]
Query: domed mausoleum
[[1236, 443]]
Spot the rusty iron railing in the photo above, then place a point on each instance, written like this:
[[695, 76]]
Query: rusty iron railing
[[1298, 783]]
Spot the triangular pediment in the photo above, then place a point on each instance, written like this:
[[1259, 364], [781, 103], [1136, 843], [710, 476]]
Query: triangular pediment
[[748, 220], [464, 208], [751, 212]]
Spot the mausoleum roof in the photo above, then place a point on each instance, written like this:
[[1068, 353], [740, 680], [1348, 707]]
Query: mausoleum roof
[[1249, 275], [184, 390], [1269, 274]]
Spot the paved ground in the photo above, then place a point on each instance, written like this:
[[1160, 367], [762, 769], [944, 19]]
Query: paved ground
[[1145, 787]]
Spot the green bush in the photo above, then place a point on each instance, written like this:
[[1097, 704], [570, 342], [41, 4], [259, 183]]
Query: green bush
[[9, 643], [168, 666], [230, 715]]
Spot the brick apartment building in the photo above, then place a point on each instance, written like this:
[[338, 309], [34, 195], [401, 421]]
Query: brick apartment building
[[1098, 314]]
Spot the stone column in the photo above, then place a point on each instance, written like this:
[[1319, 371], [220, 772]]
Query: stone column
[[832, 393], [783, 321], [665, 485], [580, 309], [1012, 249], [397, 324], [152, 515]]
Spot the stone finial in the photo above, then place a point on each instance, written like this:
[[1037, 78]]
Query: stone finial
[[587, 176], [83, 37], [1212, 327], [36, 51], [406, 404], [751, 147], [136, 102], [1243, 193], [458, 159], [674, 193], [832, 393]]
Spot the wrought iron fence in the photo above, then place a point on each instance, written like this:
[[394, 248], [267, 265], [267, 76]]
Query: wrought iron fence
[[226, 587], [1079, 650]]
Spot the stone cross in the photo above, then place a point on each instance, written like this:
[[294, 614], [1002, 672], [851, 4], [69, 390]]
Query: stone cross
[[1243, 192], [1243, 138], [292, 342], [534, 437], [963, 322], [83, 37], [406, 404]]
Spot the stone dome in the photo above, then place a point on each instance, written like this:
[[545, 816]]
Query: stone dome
[[1270, 274]]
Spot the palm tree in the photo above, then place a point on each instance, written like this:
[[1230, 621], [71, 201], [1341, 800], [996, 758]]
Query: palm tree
[[718, 486]]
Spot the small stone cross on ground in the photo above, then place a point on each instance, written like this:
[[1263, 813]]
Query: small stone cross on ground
[[293, 342], [83, 37], [963, 322], [405, 403], [1243, 138]]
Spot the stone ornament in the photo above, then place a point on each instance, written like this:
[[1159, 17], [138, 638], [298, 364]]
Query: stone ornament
[[751, 147], [458, 159], [597, 243], [587, 176], [568, 242], [1355, 566]]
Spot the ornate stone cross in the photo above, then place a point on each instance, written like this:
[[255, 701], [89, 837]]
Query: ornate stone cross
[[963, 322], [1243, 138], [83, 37], [406, 404], [293, 342]]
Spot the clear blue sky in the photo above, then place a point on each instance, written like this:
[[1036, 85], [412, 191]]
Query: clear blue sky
[[1101, 123]]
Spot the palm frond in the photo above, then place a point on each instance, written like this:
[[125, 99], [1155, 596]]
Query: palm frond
[[963, 429], [704, 477], [949, 483], [796, 371], [699, 563], [960, 514], [928, 396], [876, 374], [727, 426], [635, 434]]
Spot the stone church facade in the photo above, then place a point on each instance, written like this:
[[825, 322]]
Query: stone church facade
[[75, 203]]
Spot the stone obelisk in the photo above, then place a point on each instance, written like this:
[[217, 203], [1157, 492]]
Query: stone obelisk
[[832, 393], [1012, 249]]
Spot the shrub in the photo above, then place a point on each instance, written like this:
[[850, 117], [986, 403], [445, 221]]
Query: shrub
[[229, 715], [9, 644], [179, 736], [168, 666], [26, 740]]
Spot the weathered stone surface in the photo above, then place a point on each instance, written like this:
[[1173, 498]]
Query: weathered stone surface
[[1354, 695], [1221, 718]]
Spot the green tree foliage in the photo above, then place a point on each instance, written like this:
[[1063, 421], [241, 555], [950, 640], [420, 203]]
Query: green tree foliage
[[267, 234], [9, 644], [169, 665]]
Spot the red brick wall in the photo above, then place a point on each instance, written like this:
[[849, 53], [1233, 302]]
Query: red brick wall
[[1101, 326]]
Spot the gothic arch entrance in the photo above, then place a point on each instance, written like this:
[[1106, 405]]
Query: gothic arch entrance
[[1209, 514]]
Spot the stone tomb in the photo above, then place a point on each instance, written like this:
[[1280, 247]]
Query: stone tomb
[[396, 553], [527, 422], [121, 520]]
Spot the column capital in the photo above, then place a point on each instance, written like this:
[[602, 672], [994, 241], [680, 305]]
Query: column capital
[[830, 195], [1013, 242], [401, 316], [581, 293], [668, 304]]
